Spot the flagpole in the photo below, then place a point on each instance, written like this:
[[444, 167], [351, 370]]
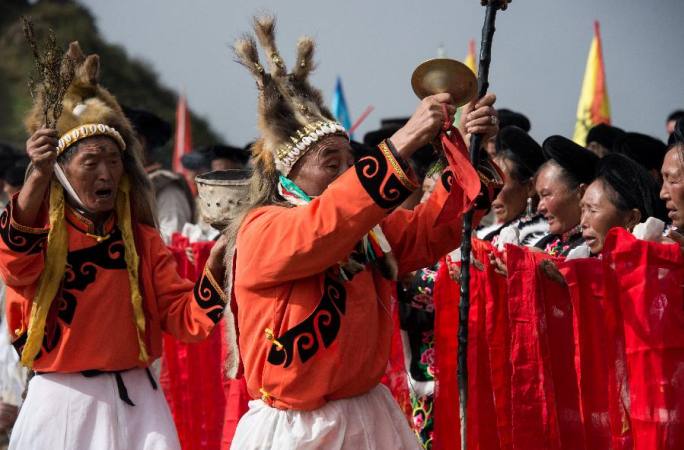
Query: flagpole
[[361, 119], [466, 244]]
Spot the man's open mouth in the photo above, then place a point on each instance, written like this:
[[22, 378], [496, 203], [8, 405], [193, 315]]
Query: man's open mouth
[[103, 194]]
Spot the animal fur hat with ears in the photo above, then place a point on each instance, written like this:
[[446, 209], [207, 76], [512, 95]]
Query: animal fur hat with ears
[[89, 110], [87, 102], [292, 115]]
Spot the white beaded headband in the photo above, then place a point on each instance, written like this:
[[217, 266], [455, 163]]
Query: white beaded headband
[[288, 154], [85, 131]]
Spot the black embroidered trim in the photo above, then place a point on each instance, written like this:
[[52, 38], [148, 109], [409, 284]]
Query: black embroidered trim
[[386, 189], [17, 240], [324, 321], [448, 179], [207, 297], [82, 264], [80, 272], [487, 195]]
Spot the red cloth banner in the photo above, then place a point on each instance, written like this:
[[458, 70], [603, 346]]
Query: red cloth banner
[[646, 281], [482, 412], [595, 362], [204, 404], [599, 357]]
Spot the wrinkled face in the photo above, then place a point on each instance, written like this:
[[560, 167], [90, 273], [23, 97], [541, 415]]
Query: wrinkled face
[[512, 200], [558, 202], [672, 191], [94, 172], [321, 165], [599, 215]]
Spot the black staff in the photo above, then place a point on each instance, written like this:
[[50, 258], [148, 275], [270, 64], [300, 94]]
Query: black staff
[[475, 143]]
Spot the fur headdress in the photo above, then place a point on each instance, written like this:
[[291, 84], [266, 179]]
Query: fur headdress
[[292, 115], [90, 110]]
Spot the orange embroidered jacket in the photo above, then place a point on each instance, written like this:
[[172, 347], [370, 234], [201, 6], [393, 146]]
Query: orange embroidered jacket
[[90, 324], [305, 335]]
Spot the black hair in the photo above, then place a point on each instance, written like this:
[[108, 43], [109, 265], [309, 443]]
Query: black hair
[[645, 150], [678, 133], [675, 115], [630, 186], [508, 117], [517, 169], [524, 153], [568, 178], [16, 173], [577, 163], [8, 155]]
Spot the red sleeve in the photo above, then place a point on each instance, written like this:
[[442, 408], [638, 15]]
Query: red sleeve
[[22, 250], [279, 244], [187, 311], [415, 239]]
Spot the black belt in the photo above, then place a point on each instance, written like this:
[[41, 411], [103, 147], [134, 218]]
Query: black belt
[[120, 385]]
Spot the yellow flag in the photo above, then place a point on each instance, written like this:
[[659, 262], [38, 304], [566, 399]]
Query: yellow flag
[[593, 107], [470, 58], [472, 65]]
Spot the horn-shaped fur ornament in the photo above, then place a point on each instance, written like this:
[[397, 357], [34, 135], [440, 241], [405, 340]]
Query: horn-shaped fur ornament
[[291, 112], [305, 51], [264, 27]]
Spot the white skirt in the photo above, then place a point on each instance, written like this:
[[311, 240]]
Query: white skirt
[[70, 411], [372, 421]]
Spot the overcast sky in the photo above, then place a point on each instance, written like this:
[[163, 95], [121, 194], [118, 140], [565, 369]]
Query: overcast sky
[[540, 52]]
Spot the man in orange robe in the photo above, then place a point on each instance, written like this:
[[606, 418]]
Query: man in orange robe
[[90, 283], [316, 256]]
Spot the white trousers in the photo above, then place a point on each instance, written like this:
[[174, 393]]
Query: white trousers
[[69, 411], [372, 421]]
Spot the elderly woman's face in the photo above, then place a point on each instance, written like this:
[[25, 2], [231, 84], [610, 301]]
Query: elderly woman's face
[[558, 202], [599, 215], [94, 172], [512, 200], [328, 159], [672, 191]]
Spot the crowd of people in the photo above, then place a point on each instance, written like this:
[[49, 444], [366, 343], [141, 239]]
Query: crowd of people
[[333, 260]]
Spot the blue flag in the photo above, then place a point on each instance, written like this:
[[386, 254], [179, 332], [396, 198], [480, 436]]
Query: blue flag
[[339, 106]]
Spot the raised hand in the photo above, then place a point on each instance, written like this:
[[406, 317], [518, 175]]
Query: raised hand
[[480, 117], [425, 124], [41, 149]]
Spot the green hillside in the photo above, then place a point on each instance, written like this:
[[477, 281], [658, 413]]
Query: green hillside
[[132, 81]]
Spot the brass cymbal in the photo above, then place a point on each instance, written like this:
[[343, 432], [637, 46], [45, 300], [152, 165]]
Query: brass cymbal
[[439, 75]]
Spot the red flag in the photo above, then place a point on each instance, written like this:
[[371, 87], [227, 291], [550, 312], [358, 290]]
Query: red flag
[[183, 138]]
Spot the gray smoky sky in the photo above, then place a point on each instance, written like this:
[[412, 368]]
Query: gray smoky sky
[[539, 56]]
